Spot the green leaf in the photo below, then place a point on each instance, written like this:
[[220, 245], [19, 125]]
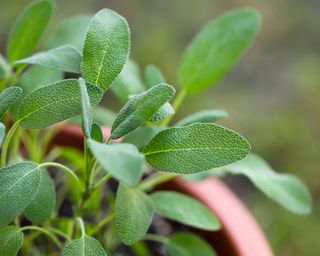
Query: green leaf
[[134, 211], [2, 133], [71, 31], [140, 108], [96, 132], [122, 161], [142, 136], [206, 116], [11, 239], [85, 109], [85, 246], [19, 185], [106, 48], [287, 190], [28, 29], [164, 111], [184, 244], [4, 68], [54, 103], [195, 148], [153, 76], [8, 97], [42, 206], [128, 82], [216, 49], [33, 78], [64, 58], [184, 209]]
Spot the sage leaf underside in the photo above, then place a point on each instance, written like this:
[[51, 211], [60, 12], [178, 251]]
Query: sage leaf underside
[[134, 211], [205, 116], [19, 185], [8, 97], [163, 112], [124, 162], [54, 103], [65, 58], [106, 48], [140, 108], [42, 206], [217, 47], [28, 29], [85, 246], [11, 239], [287, 190], [184, 209], [195, 148]]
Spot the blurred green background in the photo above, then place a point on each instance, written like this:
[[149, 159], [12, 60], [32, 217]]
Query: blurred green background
[[272, 94]]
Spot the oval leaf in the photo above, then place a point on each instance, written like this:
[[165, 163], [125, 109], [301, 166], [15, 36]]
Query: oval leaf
[[165, 111], [195, 148], [184, 209], [85, 246], [5, 69], [216, 49], [106, 48], [122, 161], [28, 29], [19, 185], [134, 211], [42, 206], [128, 82], [96, 132], [64, 58], [54, 103], [85, 109], [287, 190], [2, 133], [11, 239], [140, 108], [184, 244], [8, 97], [153, 76], [206, 116]]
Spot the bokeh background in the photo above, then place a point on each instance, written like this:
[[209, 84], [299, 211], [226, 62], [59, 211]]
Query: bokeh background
[[272, 95]]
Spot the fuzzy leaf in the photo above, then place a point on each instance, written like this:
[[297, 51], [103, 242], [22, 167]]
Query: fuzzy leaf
[[142, 136], [153, 76], [106, 48], [42, 206], [184, 244], [64, 58], [54, 103], [2, 133], [122, 161], [28, 29], [35, 77], [11, 239], [134, 211], [8, 97], [206, 116], [216, 49], [19, 185], [85, 246], [140, 108], [164, 111], [96, 132], [287, 190], [184, 209], [85, 109], [195, 148], [71, 31], [128, 82]]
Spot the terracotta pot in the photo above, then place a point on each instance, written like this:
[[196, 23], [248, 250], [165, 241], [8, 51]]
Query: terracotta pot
[[240, 234]]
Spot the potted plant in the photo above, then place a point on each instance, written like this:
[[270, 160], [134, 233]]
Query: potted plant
[[107, 203]]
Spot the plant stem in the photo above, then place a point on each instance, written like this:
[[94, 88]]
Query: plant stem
[[102, 224], [7, 143], [58, 232], [82, 227], [176, 104], [155, 238], [102, 181], [65, 169], [162, 178], [45, 231]]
